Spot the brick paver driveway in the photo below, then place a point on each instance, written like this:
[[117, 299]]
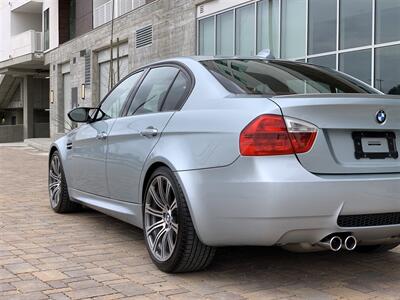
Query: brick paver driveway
[[89, 255]]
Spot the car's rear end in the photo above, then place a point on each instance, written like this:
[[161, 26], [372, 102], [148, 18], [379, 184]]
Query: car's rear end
[[326, 165]]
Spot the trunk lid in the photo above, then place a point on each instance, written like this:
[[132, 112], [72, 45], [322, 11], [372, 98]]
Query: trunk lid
[[350, 140]]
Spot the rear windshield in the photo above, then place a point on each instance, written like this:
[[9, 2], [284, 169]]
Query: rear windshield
[[281, 78]]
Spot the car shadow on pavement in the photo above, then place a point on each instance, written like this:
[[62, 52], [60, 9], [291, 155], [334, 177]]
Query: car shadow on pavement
[[271, 267]]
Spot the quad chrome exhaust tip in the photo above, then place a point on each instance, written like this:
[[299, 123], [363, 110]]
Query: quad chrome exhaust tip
[[350, 243], [335, 243]]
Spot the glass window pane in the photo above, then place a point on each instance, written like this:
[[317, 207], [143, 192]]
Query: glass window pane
[[293, 28], [278, 77], [206, 36], [225, 33], [152, 91], [177, 92], [328, 61], [355, 23], [115, 101], [387, 69], [387, 21], [268, 26], [321, 26], [245, 31], [357, 64]]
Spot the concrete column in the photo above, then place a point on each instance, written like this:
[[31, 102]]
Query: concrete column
[[27, 92]]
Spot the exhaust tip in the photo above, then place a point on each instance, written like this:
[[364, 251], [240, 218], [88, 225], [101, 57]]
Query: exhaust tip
[[335, 243], [350, 243]]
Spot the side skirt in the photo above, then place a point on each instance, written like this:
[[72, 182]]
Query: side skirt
[[125, 211]]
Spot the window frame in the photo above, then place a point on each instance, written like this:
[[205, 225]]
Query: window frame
[[175, 64]]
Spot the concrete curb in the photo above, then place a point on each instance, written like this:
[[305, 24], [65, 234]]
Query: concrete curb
[[42, 144]]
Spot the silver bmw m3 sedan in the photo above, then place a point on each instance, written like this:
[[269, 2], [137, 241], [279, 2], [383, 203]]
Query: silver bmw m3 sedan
[[204, 152]]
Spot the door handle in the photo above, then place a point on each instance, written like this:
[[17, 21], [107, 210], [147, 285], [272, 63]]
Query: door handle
[[149, 132], [101, 136]]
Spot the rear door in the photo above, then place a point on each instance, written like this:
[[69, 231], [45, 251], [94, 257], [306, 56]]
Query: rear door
[[358, 133], [133, 137]]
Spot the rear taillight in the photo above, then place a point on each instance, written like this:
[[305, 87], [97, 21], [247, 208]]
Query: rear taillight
[[276, 135]]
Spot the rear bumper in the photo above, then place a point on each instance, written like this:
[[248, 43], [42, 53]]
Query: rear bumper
[[275, 201]]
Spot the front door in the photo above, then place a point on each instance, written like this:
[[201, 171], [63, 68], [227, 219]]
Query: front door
[[89, 143]]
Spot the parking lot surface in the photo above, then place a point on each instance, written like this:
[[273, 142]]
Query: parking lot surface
[[88, 255]]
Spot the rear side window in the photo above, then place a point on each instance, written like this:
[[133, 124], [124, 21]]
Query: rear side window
[[177, 93], [281, 78], [153, 90]]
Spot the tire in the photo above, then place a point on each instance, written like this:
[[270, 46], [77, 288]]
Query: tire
[[58, 190], [169, 234], [376, 248]]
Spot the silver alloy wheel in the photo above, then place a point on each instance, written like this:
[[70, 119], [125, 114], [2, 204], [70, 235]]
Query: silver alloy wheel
[[160, 213], [55, 180]]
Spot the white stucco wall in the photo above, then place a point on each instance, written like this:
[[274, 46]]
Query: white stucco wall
[[4, 30]]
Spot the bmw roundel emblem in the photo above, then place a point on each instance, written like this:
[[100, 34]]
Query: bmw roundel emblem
[[381, 117]]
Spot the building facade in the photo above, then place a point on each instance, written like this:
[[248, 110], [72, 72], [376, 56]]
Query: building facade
[[358, 37], [90, 45], [24, 84]]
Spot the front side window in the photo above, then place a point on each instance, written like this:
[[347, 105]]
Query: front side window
[[281, 78], [114, 102], [153, 90]]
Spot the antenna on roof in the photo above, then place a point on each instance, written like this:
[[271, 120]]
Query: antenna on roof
[[266, 53]]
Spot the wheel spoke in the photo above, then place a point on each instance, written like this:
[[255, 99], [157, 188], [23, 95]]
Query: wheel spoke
[[151, 211], [54, 176], [164, 244], [56, 195], [161, 192], [157, 239], [174, 205], [174, 227], [170, 240], [156, 199], [54, 185], [155, 225], [167, 191]]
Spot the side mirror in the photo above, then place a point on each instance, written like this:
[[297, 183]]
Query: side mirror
[[80, 114]]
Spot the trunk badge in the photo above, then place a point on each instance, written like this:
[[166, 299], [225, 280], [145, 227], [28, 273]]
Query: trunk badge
[[381, 117]]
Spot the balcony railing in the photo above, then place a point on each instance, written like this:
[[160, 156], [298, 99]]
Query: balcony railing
[[27, 42], [103, 13]]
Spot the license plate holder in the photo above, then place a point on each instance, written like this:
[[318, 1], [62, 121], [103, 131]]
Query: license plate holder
[[370, 140]]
